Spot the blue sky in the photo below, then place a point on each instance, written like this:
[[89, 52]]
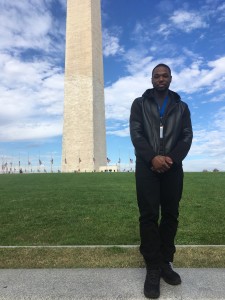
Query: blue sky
[[189, 36]]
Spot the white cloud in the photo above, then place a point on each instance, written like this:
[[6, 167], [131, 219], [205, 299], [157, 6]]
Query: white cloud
[[187, 21], [164, 29], [165, 5], [30, 130], [141, 34], [209, 142], [29, 31], [31, 90], [207, 151], [218, 98], [121, 132], [196, 78], [137, 61], [219, 121], [111, 44], [28, 113], [199, 164], [221, 12], [119, 97]]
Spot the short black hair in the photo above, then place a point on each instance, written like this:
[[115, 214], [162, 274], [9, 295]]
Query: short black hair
[[161, 65]]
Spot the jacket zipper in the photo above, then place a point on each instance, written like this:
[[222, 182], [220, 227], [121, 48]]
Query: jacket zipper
[[163, 121]]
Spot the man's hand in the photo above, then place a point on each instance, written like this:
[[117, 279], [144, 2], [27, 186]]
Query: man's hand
[[161, 163], [169, 160]]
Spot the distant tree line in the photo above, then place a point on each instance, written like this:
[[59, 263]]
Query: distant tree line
[[214, 170]]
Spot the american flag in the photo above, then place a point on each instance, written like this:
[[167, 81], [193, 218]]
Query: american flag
[[131, 160], [108, 160]]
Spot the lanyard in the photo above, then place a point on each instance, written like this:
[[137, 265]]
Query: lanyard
[[163, 107], [161, 113]]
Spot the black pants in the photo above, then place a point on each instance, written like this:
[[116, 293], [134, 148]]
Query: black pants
[[158, 227]]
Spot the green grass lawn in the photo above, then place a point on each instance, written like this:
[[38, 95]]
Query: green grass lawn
[[100, 208], [68, 209], [202, 209]]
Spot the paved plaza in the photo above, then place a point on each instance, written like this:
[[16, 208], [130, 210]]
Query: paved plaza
[[106, 284]]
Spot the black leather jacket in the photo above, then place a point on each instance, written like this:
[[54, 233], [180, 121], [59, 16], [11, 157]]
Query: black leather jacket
[[145, 128]]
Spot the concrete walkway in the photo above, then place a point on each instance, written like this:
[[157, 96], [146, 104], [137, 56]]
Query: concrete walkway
[[106, 284]]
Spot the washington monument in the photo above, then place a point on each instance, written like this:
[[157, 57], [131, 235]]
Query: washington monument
[[84, 138]]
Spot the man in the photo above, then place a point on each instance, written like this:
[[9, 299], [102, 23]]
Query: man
[[161, 132]]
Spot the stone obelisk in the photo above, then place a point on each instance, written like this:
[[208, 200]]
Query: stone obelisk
[[84, 137]]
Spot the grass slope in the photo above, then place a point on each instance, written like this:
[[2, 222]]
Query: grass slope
[[99, 208]]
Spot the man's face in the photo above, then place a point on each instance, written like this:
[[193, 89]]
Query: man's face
[[161, 79]]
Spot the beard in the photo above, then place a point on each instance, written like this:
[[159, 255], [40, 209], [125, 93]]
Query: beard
[[161, 89]]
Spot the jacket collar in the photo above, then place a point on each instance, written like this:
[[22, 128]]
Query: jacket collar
[[149, 93]]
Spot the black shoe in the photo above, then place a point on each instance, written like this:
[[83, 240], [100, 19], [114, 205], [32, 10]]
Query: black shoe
[[152, 282], [169, 275]]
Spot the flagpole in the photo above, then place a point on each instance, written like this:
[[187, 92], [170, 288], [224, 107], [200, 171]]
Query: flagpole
[[119, 160], [28, 163], [65, 161], [108, 161], [131, 161], [13, 167], [51, 162], [2, 165], [40, 163], [79, 162], [19, 164], [94, 164]]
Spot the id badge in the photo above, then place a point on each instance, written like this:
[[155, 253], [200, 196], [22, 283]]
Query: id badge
[[161, 132]]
